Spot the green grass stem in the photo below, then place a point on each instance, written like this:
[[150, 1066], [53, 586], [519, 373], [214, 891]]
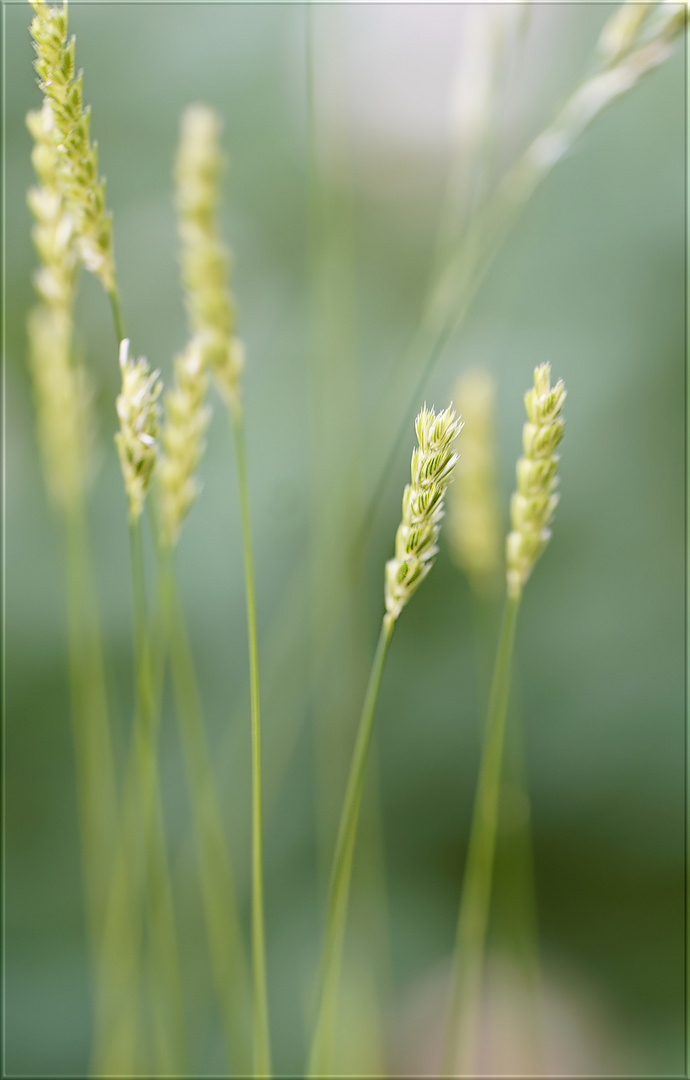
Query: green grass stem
[[166, 985], [118, 1043], [517, 918], [114, 297], [262, 1046], [218, 892], [466, 977], [459, 274], [115, 1014], [329, 976], [91, 722]]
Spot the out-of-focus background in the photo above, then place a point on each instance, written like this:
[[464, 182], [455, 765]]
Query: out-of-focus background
[[341, 124]]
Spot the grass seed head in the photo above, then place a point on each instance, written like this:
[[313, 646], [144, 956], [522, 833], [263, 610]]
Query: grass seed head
[[138, 412], [432, 466], [182, 440], [76, 155], [533, 504], [205, 260], [61, 391]]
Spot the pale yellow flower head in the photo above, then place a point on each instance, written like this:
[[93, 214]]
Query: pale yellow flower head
[[205, 260], [61, 391], [422, 506], [76, 156], [53, 231], [533, 504], [182, 441], [138, 412]]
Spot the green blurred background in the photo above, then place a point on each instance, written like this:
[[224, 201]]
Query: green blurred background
[[332, 222]]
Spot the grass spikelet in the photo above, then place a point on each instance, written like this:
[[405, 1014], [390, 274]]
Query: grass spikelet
[[474, 529], [77, 156], [422, 507], [531, 511], [182, 441], [433, 461], [138, 410], [205, 260], [533, 504]]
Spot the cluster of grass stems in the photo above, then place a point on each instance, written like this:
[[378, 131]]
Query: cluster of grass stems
[[139, 1015]]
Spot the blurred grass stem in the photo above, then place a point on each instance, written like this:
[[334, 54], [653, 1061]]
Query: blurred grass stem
[[218, 893], [449, 298], [329, 976], [462, 1020], [97, 798], [114, 297], [169, 1025], [262, 1049]]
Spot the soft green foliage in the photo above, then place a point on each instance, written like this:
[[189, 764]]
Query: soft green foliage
[[422, 506], [138, 411], [76, 155], [533, 504], [637, 24], [632, 44], [313, 661], [205, 261], [182, 440], [622, 30]]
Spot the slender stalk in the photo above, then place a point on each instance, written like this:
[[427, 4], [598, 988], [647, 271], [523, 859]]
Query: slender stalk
[[324, 1033], [463, 1010], [514, 855], [93, 745], [448, 299], [169, 1026], [221, 913], [520, 915], [262, 1046], [114, 297], [97, 798], [117, 1040]]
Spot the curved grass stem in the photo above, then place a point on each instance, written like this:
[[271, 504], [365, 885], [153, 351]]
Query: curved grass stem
[[329, 976], [262, 1046], [466, 977]]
